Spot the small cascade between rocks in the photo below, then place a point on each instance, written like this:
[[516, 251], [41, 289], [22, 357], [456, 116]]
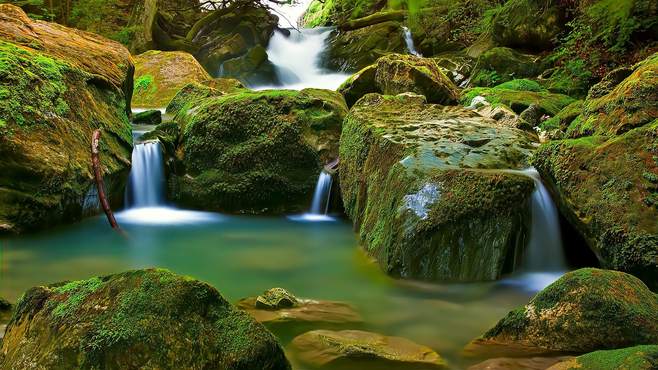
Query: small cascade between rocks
[[146, 181], [409, 40], [297, 58], [321, 197]]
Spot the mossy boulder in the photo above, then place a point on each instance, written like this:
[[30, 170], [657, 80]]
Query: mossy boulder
[[583, 311], [159, 75], [412, 182], [502, 64], [559, 123], [608, 189], [57, 85], [528, 24], [195, 91], [631, 103], [636, 358], [396, 74], [231, 32], [353, 50], [257, 152], [252, 68], [127, 320], [353, 349], [148, 117]]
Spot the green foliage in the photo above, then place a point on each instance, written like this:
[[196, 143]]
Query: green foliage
[[125, 34], [522, 85], [74, 295], [145, 84], [32, 86]]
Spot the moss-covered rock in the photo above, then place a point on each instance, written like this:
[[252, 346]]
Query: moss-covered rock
[[57, 85], [502, 64], [608, 189], [353, 50], [614, 110], [335, 12], [636, 358], [528, 24], [412, 182], [257, 152], [519, 95], [353, 349], [195, 91], [127, 320], [148, 117], [160, 74], [253, 68], [396, 74], [561, 121], [583, 311]]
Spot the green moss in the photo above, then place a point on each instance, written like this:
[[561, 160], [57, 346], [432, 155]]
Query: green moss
[[519, 100], [145, 84], [73, 295], [522, 85], [636, 358], [564, 118], [32, 86]]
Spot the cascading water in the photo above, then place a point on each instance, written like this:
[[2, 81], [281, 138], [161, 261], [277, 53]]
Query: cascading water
[[320, 204], [146, 181], [409, 40], [297, 59]]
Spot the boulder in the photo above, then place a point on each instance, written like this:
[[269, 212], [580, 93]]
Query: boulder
[[528, 24], [148, 117], [412, 182], [520, 363], [57, 85], [636, 358], [160, 74], [501, 64], [195, 91], [136, 319], [607, 184], [353, 50], [583, 311], [257, 152], [252, 68], [286, 314], [352, 349], [396, 74], [559, 123], [631, 103]]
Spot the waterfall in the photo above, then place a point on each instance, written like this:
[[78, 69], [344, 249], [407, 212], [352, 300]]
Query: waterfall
[[320, 204], [146, 181], [297, 59], [544, 251], [409, 40]]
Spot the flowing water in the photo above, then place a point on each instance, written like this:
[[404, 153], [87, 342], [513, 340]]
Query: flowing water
[[320, 204], [409, 40], [146, 184], [297, 59]]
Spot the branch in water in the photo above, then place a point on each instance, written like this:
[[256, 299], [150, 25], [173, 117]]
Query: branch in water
[[98, 177]]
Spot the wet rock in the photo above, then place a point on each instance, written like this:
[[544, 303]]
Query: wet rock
[[636, 358], [159, 75], [412, 182], [149, 117], [196, 91], [57, 85], [396, 74], [126, 320], [354, 50], [276, 298], [253, 68], [585, 310], [352, 349], [501, 64], [257, 152]]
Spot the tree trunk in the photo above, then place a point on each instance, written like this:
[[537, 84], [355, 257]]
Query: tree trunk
[[98, 176]]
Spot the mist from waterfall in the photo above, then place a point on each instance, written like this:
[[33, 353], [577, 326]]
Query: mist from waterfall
[[297, 58]]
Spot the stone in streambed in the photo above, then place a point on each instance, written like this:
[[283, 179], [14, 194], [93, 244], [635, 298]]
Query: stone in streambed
[[276, 298], [583, 311], [149, 117], [136, 319], [356, 350]]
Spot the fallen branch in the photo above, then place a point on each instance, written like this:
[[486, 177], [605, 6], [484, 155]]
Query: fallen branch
[[100, 185]]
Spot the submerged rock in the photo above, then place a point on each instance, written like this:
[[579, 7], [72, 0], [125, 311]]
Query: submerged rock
[[159, 75], [429, 191], [57, 85], [143, 318], [352, 349], [635, 358], [289, 316], [396, 74], [584, 311], [607, 183], [257, 152]]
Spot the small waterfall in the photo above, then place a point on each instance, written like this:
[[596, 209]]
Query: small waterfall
[[297, 59], [544, 251], [146, 181], [409, 40], [320, 204]]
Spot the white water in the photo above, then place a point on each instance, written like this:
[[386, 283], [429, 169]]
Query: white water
[[320, 205], [297, 60], [146, 181], [409, 40]]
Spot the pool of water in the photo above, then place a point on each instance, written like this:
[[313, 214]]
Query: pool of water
[[243, 256]]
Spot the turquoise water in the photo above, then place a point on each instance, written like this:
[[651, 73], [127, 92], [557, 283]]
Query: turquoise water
[[243, 256]]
